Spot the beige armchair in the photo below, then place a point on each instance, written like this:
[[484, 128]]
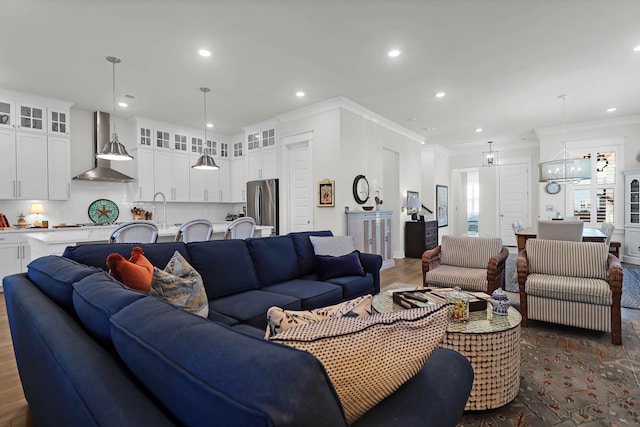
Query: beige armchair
[[474, 264], [572, 283]]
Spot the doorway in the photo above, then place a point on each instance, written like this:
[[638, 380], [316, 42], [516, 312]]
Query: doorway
[[515, 199]]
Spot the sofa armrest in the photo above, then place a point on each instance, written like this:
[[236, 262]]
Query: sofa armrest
[[615, 275], [430, 260], [372, 264], [496, 271]]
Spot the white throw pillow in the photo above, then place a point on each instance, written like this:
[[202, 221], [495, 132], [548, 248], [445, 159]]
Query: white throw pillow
[[332, 245]]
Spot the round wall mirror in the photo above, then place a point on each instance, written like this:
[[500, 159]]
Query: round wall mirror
[[361, 189]]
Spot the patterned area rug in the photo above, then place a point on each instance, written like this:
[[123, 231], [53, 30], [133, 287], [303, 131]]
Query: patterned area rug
[[571, 377], [630, 283]]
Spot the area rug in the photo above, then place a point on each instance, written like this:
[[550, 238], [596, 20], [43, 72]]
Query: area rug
[[630, 283], [571, 377]]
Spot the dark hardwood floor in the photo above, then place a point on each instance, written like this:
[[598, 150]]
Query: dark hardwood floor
[[14, 411]]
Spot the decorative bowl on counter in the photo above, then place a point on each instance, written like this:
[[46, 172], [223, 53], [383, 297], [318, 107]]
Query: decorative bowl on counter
[[367, 208]]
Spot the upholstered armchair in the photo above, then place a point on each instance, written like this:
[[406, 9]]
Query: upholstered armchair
[[474, 264], [571, 283]]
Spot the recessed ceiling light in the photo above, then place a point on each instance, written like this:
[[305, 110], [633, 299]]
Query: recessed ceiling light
[[611, 110], [299, 94], [123, 104], [637, 48], [423, 142], [209, 125], [393, 53], [441, 94], [478, 130], [204, 52]]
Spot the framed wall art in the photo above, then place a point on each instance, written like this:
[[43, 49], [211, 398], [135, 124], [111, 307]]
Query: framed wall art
[[326, 193], [442, 205]]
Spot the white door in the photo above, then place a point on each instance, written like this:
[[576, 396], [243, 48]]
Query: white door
[[300, 188], [514, 199]]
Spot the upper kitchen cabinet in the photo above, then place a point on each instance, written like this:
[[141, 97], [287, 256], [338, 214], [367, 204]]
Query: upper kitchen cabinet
[[180, 141], [238, 180], [262, 157], [225, 180], [58, 119], [145, 132], [23, 165], [144, 163], [172, 177], [7, 113], [31, 116], [59, 168]]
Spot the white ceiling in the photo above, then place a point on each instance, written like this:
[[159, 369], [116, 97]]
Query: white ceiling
[[503, 63]]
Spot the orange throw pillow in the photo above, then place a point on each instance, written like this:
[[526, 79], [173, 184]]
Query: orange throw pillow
[[136, 273]]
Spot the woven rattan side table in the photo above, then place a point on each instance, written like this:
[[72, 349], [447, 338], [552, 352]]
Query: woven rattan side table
[[491, 343]]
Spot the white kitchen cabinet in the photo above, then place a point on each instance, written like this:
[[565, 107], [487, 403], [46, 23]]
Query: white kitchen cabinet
[[145, 132], [59, 168], [204, 185], [632, 216], [59, 120], [172, 175], [262, 164], [23, 163], [7, 113], [239, 180], [372, 232], [143, 158], [225, 180], [31, 116], [14, 254]]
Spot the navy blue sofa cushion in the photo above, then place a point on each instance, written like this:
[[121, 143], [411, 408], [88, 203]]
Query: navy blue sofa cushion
[[96, 298], [310, 293], [354, 286], [304, 249], [158, 254], [55, 277], [330, 267], [225, 266], [274, 259], [253, 388], [250, 307]]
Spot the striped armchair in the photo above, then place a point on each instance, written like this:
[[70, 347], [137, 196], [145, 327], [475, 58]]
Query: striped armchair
[[571, 283], [474, 264]]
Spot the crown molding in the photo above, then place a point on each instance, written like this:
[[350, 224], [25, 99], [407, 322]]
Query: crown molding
[[352, 107], [594, 124]]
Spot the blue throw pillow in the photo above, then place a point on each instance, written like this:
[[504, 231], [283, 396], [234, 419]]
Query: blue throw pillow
[[330, 267]]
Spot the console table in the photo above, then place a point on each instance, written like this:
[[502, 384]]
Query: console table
[[419, 237]]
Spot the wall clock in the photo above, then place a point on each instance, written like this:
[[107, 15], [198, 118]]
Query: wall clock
[[552, 188], [103, 211], [361, 189]]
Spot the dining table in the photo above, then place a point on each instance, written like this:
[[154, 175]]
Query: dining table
[[588, 235]]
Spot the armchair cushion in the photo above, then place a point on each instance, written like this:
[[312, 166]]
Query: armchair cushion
[[576, 289], [561, 258], [448, 276], [469, 252]]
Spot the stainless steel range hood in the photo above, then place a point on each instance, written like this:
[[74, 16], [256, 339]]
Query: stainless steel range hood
[[102, 171]]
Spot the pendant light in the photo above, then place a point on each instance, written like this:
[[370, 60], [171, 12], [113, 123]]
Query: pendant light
[[490, 158], [205, 161], [114, 150], [566, 169]]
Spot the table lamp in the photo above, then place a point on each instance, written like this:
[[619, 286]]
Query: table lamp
[[36, 209]]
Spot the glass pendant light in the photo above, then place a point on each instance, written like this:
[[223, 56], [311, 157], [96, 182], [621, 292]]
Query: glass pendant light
[[205, 161], [114, 150]]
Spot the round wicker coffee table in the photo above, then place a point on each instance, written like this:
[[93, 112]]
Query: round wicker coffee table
[[491, 343]]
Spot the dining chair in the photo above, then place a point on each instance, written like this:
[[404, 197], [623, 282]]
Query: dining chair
[[241, 228], [135, 232], [560, 230], [195, 230], [607, 229]]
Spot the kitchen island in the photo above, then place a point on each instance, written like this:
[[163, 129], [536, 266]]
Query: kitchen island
[[54, 241]]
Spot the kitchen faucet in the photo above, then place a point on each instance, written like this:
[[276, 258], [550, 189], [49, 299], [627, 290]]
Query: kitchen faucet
[[164, 208]]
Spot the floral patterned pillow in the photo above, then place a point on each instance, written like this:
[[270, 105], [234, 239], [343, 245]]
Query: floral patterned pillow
[[181, 285], [279, 320]]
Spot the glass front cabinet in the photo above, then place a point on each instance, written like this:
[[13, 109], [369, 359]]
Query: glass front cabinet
[[632, 216]]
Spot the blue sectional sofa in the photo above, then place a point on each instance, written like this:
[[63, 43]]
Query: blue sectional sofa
[[91, 351]]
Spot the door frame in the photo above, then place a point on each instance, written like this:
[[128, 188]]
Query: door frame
[[285, 183]]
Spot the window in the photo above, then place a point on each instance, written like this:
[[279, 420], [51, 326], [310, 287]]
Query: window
[[594, 200]]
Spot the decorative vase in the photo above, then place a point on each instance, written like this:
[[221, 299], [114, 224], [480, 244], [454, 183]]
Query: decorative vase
[[500, 302]]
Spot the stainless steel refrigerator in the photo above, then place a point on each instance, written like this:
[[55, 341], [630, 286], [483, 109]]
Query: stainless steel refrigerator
[[263, 203]]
